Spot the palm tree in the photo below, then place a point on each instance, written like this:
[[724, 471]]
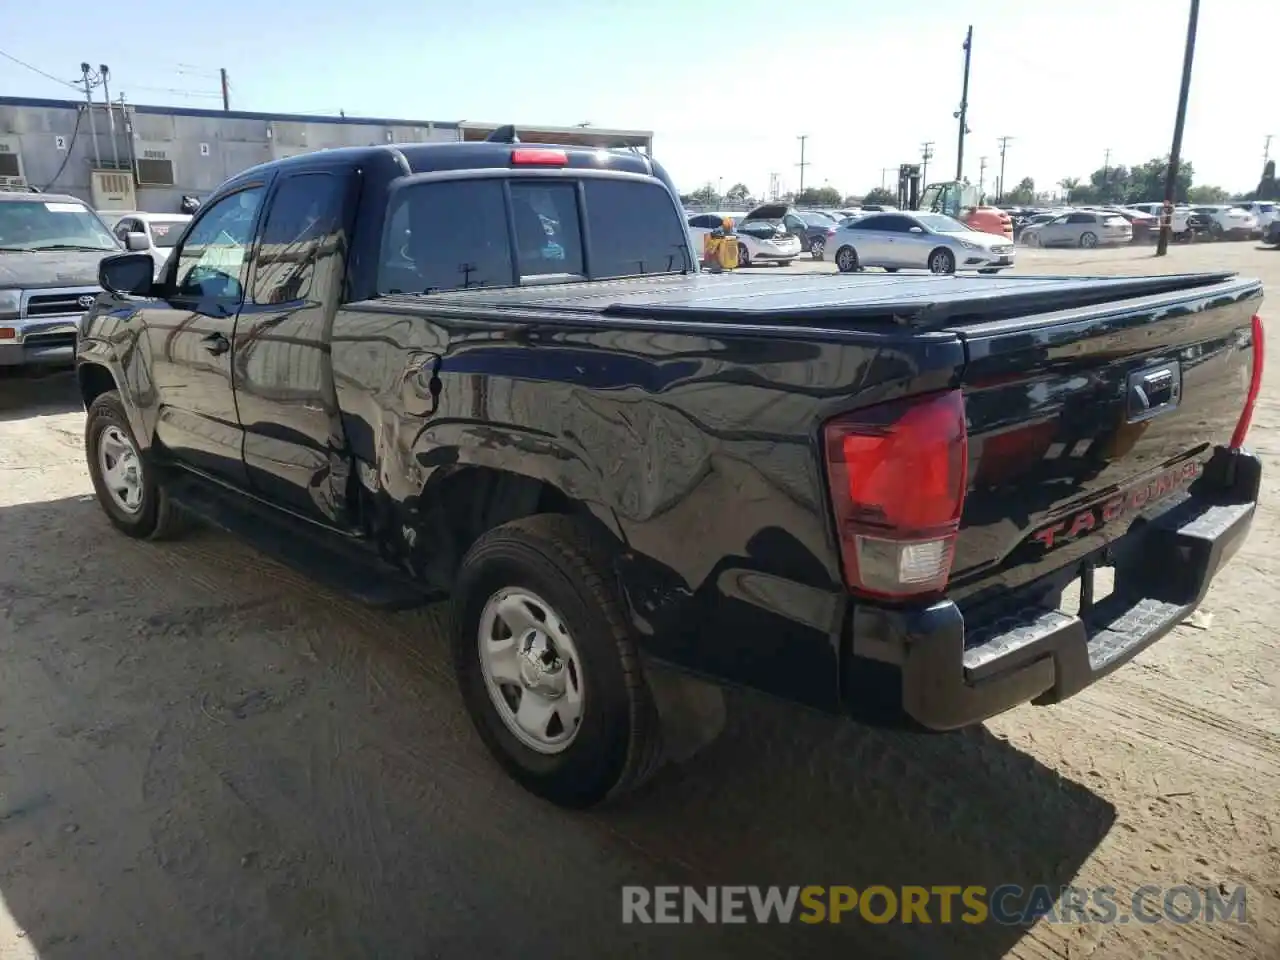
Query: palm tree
[[1068, 185]]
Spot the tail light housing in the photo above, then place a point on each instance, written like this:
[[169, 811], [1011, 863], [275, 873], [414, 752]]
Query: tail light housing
[[1255, 385], [897, 474], [538, 157]]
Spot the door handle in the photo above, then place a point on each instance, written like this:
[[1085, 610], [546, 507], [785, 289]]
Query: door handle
[[217, 344]]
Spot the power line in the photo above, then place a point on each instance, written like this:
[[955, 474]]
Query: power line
[[47, 76]]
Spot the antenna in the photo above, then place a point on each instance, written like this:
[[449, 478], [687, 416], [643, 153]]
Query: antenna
[[504, 134]]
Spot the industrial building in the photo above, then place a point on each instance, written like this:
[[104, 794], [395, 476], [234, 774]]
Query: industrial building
[[137, 157]]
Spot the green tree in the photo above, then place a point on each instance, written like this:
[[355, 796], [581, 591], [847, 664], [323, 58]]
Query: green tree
[[738, 193], [1207, 194], [819, 197], [1108, 185], [880, 197], [1069, 186], [1146, 182], [1024, 193], [1268, 188], [704, 196]]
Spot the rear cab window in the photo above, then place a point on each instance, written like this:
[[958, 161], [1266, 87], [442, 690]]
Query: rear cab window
[[505, 230]]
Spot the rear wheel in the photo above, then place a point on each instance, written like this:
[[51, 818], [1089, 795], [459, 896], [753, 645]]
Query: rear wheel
[[942, 260], [125, 484], [1088, 240], [818, 248], [547, 665], [744, 258], [846, 260]]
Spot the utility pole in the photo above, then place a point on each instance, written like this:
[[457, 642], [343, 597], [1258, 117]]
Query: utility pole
[[105, 72], [226, 90], [926, 154], [963, 113], [1106, 175], [88, 105], [1266, 151], [1004, 145], [982, 175], [803, 163], [1175, 154]]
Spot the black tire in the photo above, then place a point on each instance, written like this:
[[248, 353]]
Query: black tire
[[846, 260], [1088, 240], [618, 743], [891, 269], [744, 258], [942, 261], [158, 517]]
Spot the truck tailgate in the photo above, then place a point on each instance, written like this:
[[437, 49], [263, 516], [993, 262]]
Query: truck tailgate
[[1082, 420]]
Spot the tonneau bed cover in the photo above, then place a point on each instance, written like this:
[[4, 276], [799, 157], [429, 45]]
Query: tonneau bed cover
[[917, 301]]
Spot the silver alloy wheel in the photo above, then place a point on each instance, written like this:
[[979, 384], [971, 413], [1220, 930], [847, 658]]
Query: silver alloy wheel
[[845, 260], [744, 258], [1088, 240], [531, 669], [817, 248], [940, 262], [121, 469]]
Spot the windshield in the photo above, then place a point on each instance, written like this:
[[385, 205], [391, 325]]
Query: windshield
[[939, 223], [52, 225]]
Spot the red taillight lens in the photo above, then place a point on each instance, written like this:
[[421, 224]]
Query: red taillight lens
[[897, 473], [1255, 386], [539, 157], [831, 231]]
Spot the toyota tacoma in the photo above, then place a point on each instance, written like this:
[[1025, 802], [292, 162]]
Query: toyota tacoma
[[494, 371]]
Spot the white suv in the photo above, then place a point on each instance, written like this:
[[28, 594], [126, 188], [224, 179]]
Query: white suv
[[1228, 220], [1264, 211]]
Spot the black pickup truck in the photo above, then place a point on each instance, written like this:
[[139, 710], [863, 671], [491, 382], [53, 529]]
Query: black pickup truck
[[493, 370]]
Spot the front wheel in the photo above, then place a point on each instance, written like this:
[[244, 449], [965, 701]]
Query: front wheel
[[125, 484], [744, 258], [846, 260], [818, 248], [547, 666], [942, 261]]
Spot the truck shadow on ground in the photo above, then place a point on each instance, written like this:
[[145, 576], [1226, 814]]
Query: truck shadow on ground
[[203, 755], [24, 394]]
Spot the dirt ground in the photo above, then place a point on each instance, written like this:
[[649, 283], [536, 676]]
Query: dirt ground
[[203, 755]]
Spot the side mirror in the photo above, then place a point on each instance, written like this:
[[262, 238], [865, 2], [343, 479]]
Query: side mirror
[[130, 274], [917, 230], [137, 241]]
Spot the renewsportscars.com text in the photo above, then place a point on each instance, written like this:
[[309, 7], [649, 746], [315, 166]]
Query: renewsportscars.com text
[[1008, 904]]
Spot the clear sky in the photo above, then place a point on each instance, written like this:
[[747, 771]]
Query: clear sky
[[726, 87]]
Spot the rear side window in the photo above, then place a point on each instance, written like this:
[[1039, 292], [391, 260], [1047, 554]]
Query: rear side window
[[302, 226], [450, 235], [634, 229]]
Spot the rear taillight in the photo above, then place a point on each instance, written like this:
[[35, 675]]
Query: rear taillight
[[831, 231], [897, 473], [1255, 386]]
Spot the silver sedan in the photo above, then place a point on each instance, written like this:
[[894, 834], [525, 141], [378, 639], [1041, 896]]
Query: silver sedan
[[929, 241]]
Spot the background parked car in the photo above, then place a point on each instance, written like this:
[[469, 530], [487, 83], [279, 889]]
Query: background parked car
[[160, 231], [1265, 212], [764, 240], [1079, 228], [1228, 220], [1146, 228], [803, 225], [1021, 223], [930, 241]]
